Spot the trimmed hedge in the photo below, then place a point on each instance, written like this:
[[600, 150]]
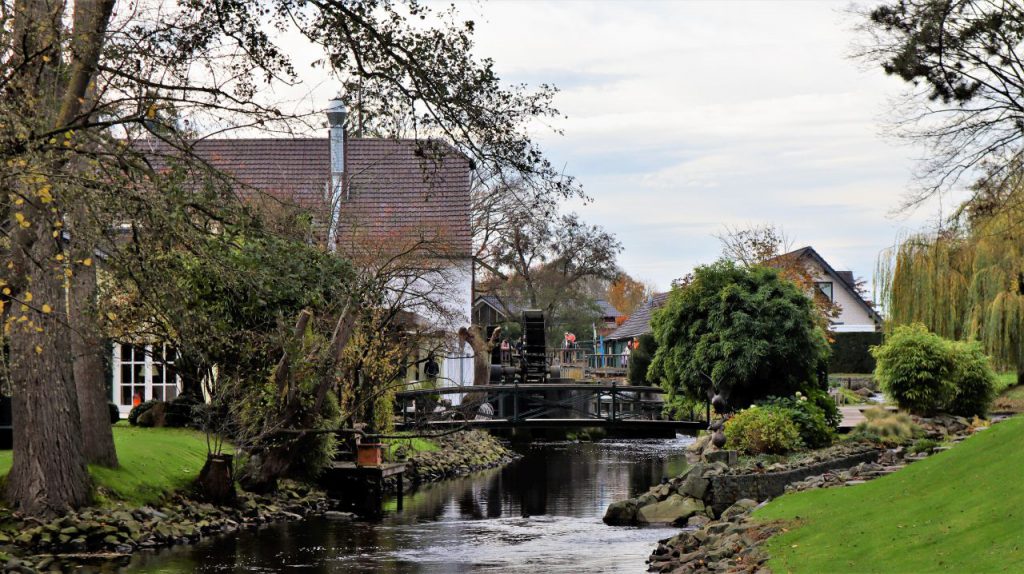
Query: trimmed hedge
[[851, 352]]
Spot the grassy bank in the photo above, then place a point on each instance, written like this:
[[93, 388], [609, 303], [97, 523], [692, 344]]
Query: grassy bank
[[153, 463], [957, 511]]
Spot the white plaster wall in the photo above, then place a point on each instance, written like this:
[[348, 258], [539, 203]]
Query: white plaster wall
[[852, 316]]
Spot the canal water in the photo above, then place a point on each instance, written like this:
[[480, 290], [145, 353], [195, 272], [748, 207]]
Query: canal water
[[538, 515]]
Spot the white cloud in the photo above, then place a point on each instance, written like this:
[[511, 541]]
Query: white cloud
[[687, 116]]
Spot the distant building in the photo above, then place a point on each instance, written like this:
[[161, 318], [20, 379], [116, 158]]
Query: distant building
[[855, 314], [639, 323]]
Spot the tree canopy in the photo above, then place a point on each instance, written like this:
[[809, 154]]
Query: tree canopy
[[962, 60], [742, 333]]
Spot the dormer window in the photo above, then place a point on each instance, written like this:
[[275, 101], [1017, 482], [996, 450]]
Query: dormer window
[[826, 289]]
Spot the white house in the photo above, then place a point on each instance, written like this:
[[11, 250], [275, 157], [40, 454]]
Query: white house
[[374, 198], [855, 314]]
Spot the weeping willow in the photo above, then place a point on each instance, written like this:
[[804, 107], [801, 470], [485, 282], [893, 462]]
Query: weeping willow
[[964, 283]]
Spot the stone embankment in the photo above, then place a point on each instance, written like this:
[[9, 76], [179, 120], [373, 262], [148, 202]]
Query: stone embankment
[[111, 534], [709, 488], [733, 543], [458, 454]]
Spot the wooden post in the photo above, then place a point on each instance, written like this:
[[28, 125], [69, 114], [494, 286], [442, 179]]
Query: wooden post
[[401, 489]]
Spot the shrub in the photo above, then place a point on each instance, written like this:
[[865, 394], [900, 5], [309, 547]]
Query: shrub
[[973, 379], [914, 368], [815, 427], [885, 427], [923, 445], [133, 415], [745, 333], [760, 430], [185, 411]]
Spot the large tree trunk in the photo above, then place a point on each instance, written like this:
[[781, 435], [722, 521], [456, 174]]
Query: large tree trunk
[[48, 475], [90, 376]]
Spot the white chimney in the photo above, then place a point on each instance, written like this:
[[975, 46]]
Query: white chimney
[[336, 114]]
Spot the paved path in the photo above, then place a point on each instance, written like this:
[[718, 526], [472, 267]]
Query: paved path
[[854, 415]]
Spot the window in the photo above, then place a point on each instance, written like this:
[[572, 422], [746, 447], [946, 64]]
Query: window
[[826, 289], [142, 373]]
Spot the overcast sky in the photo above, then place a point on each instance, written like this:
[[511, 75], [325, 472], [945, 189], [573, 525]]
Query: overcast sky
[[685, 117]]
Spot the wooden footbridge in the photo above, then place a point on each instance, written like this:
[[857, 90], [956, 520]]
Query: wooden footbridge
[[625, 410]]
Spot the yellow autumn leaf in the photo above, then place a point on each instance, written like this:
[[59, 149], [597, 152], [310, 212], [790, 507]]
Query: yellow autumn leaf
[[87, 261], [28, 296], [112, 316], [46, 308], [39, 350]]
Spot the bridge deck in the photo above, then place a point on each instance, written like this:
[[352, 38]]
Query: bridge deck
[[498, 423]]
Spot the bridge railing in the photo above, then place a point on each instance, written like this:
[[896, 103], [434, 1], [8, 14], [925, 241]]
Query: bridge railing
[[531, 402]]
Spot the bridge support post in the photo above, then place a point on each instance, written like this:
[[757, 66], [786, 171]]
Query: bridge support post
[[515, 402], [614, 400]]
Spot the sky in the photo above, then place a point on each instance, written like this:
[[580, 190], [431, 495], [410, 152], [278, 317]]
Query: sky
[[687, 117]]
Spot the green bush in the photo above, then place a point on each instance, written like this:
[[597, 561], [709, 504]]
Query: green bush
[[133, 415], [923, 445], [742, 333], [926, 374], [763, 430], [973, 379], [914, 368], [814, 426], [885, 427]]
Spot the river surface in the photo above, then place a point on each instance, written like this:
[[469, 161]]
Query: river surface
[[540, 514]]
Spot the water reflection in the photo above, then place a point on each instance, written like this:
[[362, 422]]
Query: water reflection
[[540, 514]]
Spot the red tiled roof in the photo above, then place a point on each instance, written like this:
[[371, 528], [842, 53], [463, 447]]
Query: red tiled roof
[[397, 191], [404, 189]]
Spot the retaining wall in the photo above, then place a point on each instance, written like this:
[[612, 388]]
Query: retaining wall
[[724, 490]]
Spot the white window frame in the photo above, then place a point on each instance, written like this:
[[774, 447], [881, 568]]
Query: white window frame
[[149, 367]]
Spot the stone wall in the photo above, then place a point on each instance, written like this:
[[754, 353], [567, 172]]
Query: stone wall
[[709, 488], [724, 490]]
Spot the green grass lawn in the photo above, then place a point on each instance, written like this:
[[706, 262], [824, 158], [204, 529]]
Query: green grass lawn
[[153, 463], [958, 511]]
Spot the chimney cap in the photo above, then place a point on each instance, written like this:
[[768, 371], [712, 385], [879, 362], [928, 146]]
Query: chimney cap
[[336, 112]]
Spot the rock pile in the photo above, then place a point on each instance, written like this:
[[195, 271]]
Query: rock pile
[[114, 533], [673, 502], [459, 453], [729, 545], [857, 475]]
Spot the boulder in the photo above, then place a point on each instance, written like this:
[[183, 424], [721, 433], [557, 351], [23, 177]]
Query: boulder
[[697, 521], [695, 484], [673, 510], [741, 507], [728, 457], [621, 513]]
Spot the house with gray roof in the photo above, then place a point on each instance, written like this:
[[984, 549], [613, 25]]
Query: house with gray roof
[[855, 313]]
